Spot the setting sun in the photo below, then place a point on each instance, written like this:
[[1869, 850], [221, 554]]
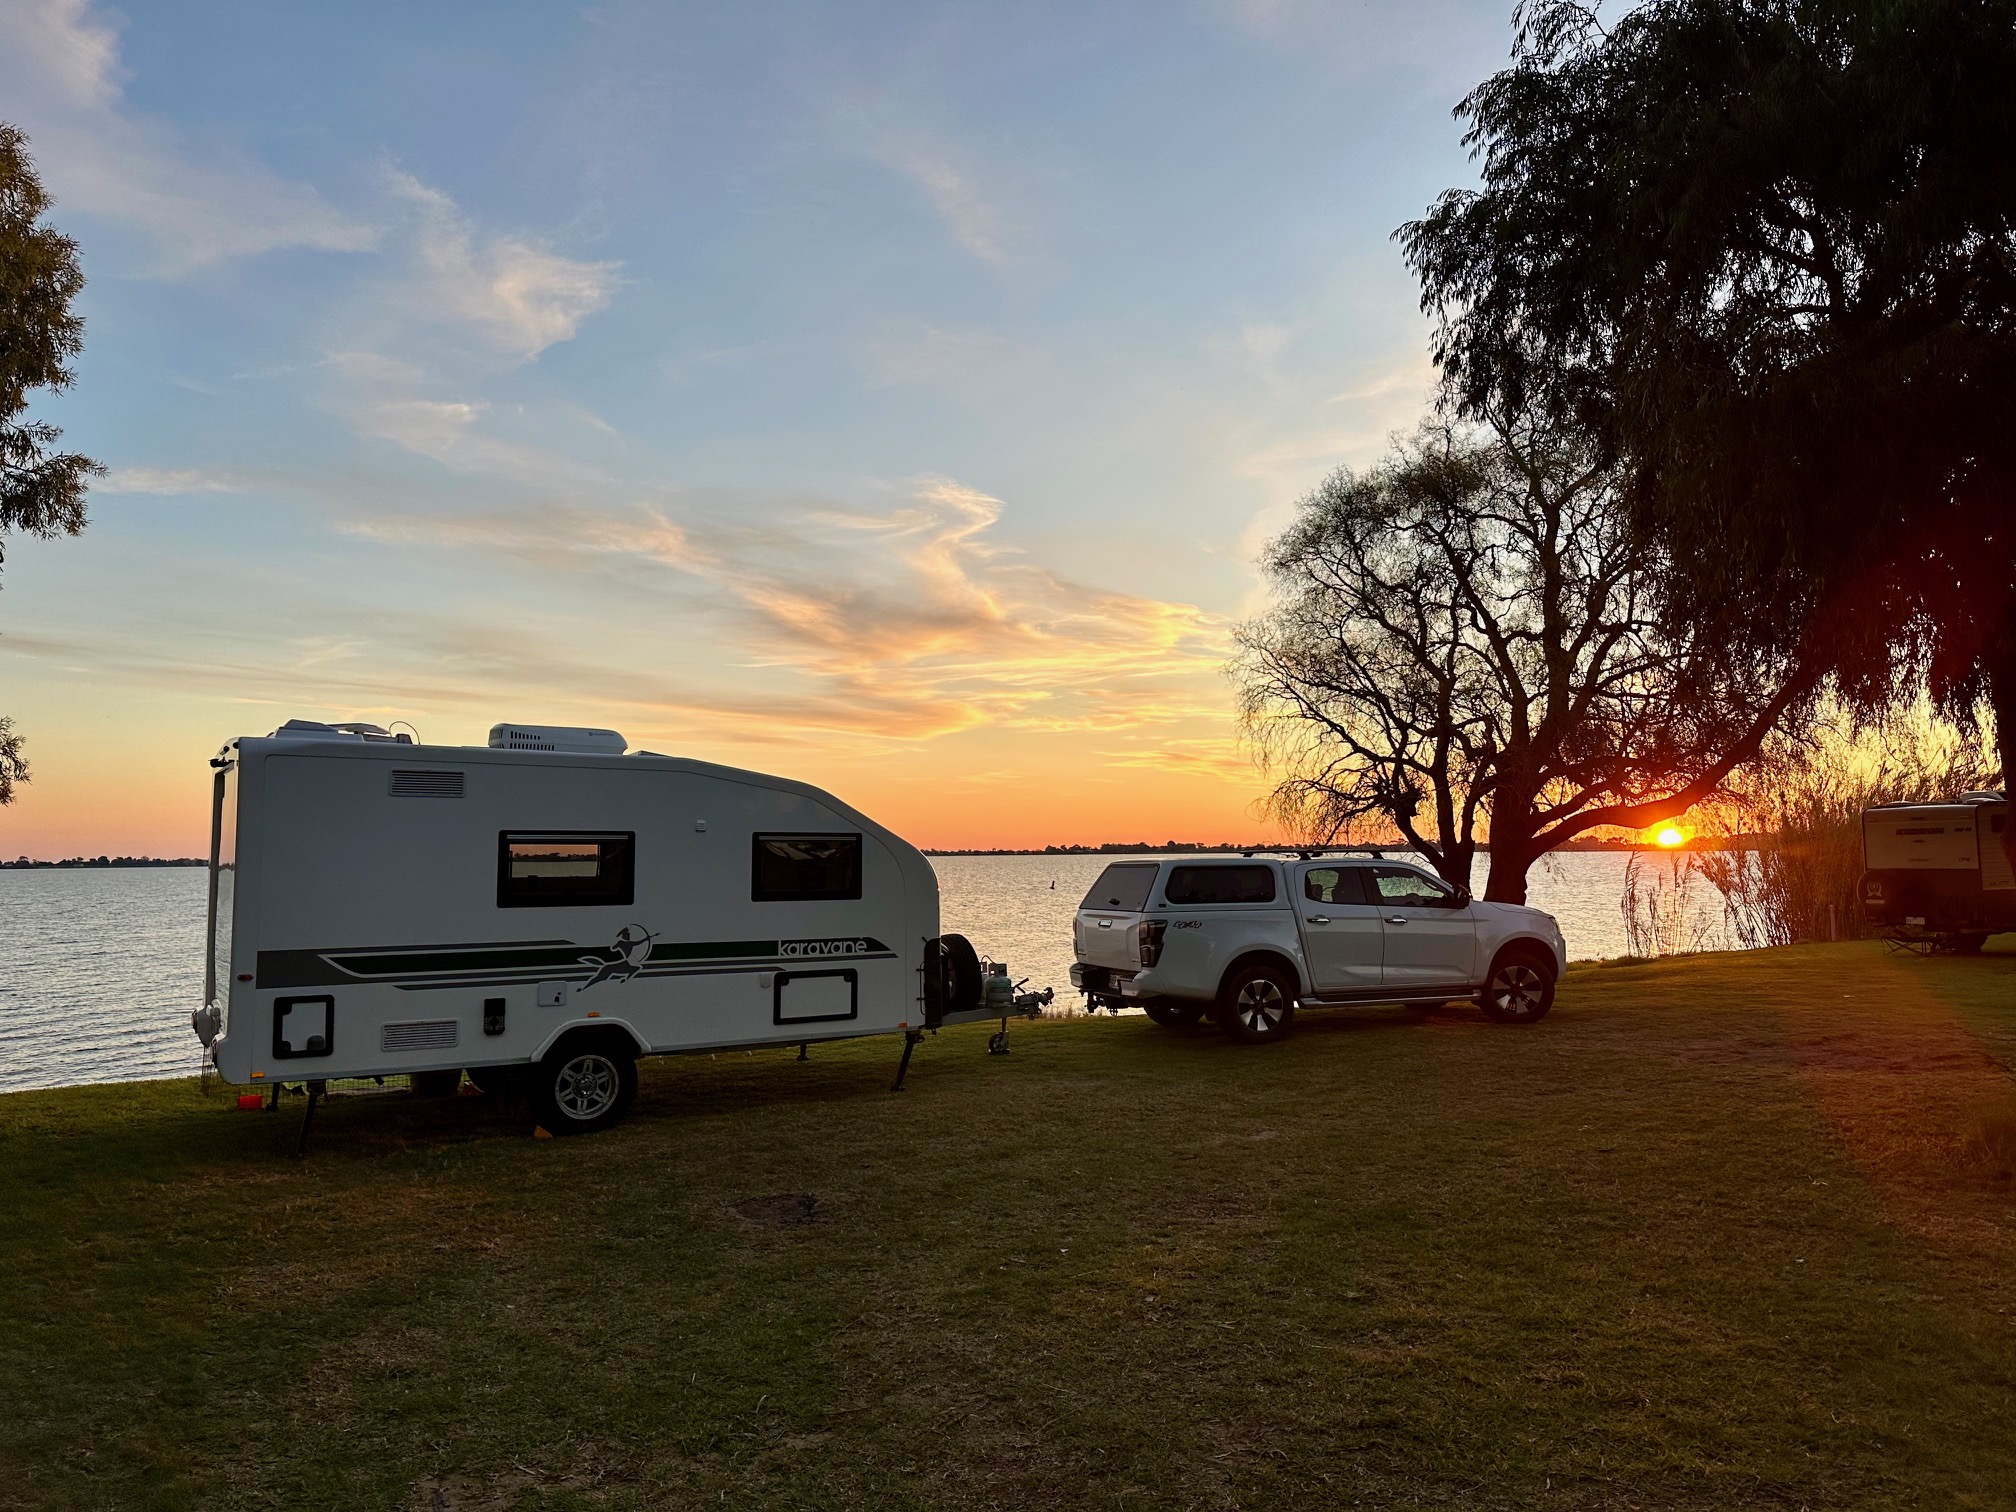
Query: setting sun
[[1670, 837]]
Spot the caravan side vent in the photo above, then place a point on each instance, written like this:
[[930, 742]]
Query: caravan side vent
[[420, 782], [428, 1034]]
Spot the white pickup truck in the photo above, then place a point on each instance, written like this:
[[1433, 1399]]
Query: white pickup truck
[[1254, 937]]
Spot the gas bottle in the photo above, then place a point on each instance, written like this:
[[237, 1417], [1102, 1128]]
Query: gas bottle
[[1000, 995]]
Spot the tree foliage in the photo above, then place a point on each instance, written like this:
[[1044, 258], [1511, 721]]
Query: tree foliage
[[1765, 251], [1472, 635], [13, 766], [41, 489]]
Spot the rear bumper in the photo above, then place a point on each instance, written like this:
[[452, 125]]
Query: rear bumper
[[1103, 981]]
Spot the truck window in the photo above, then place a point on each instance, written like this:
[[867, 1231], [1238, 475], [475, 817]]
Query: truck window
[[1403, 887], [1335, 884], [1123, 885], [1220, 884], [805, 868], [552, 869]]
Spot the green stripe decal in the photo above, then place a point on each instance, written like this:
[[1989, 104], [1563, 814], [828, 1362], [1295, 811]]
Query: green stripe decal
[[558, 960]]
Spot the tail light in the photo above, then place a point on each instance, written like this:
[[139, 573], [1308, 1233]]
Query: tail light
[[1151, 941]]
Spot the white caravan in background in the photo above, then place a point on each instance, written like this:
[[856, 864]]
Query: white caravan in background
[[1939, 873], [548, 905]]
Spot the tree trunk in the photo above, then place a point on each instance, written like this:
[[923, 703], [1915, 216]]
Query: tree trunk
[[1512, 853]]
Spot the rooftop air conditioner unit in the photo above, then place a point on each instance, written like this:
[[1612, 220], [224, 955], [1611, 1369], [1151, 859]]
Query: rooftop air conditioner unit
[[522, 737]]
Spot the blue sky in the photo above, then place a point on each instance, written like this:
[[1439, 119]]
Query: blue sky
[[891, 395]]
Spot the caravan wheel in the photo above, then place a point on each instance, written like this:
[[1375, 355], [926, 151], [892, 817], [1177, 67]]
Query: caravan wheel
[[585, 1085]]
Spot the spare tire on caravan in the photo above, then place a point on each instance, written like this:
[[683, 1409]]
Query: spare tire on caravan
[[548, 908], [1938, 873]]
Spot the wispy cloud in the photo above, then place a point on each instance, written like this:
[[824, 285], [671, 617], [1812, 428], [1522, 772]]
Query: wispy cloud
[[1222, 757], [518, 296], [450, 431], [164, 480], [61, 78], [904, 623], [970, 215]]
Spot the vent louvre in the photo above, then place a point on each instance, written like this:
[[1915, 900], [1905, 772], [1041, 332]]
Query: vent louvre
[[424, 782], [426, 1034]]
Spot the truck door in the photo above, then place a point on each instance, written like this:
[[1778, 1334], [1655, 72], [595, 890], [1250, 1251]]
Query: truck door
[[1342, 936], [1431, 939]]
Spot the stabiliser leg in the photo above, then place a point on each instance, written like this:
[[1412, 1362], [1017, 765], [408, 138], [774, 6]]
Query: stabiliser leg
[[317, 1090], [910, 1039]]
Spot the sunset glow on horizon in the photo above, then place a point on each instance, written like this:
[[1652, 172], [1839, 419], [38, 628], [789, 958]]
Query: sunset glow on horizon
[[900, 408]]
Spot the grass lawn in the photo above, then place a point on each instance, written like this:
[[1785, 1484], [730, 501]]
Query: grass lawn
[[1729, 1231]]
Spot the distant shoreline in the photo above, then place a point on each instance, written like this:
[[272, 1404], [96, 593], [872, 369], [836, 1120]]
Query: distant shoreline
[[96, 863]]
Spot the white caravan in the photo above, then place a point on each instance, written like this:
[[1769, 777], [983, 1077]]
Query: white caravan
[[1938, 873], [548, 904]]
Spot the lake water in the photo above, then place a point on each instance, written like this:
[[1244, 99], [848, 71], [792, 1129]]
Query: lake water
[[99, 970]]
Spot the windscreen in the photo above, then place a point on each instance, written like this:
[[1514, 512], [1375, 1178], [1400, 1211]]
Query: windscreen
[[1122, 885]]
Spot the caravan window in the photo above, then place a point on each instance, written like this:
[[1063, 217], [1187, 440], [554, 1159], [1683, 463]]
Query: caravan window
[[551, 869], [800, 868]]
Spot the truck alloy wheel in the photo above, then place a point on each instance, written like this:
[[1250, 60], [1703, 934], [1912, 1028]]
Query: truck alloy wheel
[[583, 1088], [1257, 1005], [1520, 989]]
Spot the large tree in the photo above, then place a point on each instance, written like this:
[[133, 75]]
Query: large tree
[[1471, 638], [41, 489], [1766, 250]]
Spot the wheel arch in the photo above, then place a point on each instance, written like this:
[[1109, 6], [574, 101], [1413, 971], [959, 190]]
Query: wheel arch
[[596, 1028], [1263, 957], [1529, 945]]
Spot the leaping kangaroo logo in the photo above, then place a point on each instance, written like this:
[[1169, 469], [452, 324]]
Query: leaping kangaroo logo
[[633, 949]]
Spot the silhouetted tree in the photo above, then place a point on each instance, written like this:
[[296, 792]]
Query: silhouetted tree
[[1765, 251], [1471, 636], [41, 490]]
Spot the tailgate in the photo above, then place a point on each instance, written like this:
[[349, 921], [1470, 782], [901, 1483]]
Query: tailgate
[[1105, 930], [1109, 939]]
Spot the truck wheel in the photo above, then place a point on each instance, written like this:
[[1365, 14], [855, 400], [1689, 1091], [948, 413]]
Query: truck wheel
[[1173, 1013], [1962, 944], [1256, 1004], [584, 1086], [1520, 988]]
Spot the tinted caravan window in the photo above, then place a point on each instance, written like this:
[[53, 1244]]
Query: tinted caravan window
[[1122, 886], [801, 868], [555, 869], [1220, 884]]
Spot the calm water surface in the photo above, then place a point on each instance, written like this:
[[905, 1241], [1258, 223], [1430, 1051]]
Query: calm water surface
[[99, 970]]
